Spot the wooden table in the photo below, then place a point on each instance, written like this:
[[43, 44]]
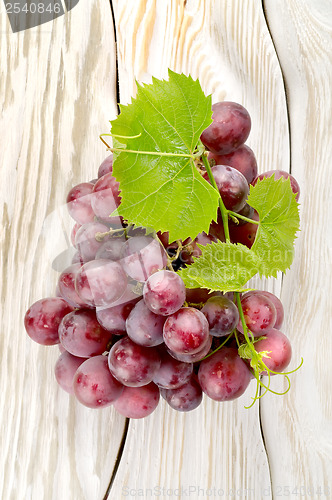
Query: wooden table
[[58, 90]]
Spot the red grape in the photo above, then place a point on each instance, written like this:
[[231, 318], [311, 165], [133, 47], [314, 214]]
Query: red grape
[[186, 331], [259, 313], [199, 295], [79, 203], [184, 398], [100, 282], [144, 327], [222, 315], [132, 364], [65, 369], [111, 249], [275, 301], [246, 233], [232, 185], [106, 166], [138, 402], [86, 241], [143, 256], [81, 334], [277, 175], [164, 292], [43, 318], [73, 233], [280, 350], [66, 285], [172, 373], [197, 356], [106, 198], [94, 385], [114, 318], [224, 375], [192, 249], [242, 159], [229, 130]]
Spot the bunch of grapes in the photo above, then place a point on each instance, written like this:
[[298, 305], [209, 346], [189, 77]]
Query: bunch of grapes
[[127, 327]]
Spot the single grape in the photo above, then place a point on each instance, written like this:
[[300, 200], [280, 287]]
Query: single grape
[[242, 159], [186, 331], [222, 315], [224, 375], [65, 369], [94, 386], [143, 256], [114, 318], [197, 356], [106, 166], [111, 249], [82, 335], [232, 185], [66, 286], [106, 198], [79, 203], [281, 173], [259, 313], [86, 241], [132, 364], [184, 398], [279, 350], [43, 318], [100, 282], [229, 130], [172, 373], [138, 402], [164, 292], [144, 327], [246, 233], [275, 301]]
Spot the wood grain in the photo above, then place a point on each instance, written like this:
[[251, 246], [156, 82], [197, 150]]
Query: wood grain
[[58, 92], [298, 427]]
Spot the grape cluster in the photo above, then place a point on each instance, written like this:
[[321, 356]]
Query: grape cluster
[[127, 327]]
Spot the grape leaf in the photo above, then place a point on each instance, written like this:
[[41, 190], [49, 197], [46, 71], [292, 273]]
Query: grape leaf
[[279, 221], [166, 193], [222, 266]]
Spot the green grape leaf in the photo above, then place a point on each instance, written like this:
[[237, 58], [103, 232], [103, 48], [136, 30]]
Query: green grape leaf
[[164, 192], [222, 266], [279, 222]]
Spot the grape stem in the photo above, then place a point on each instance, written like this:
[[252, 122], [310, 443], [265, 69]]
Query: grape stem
[[223, 210], [151, 153], [239, 216]]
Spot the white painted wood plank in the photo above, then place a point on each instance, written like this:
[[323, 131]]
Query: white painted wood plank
[[298, 427], [58, 91], [227, 46]]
